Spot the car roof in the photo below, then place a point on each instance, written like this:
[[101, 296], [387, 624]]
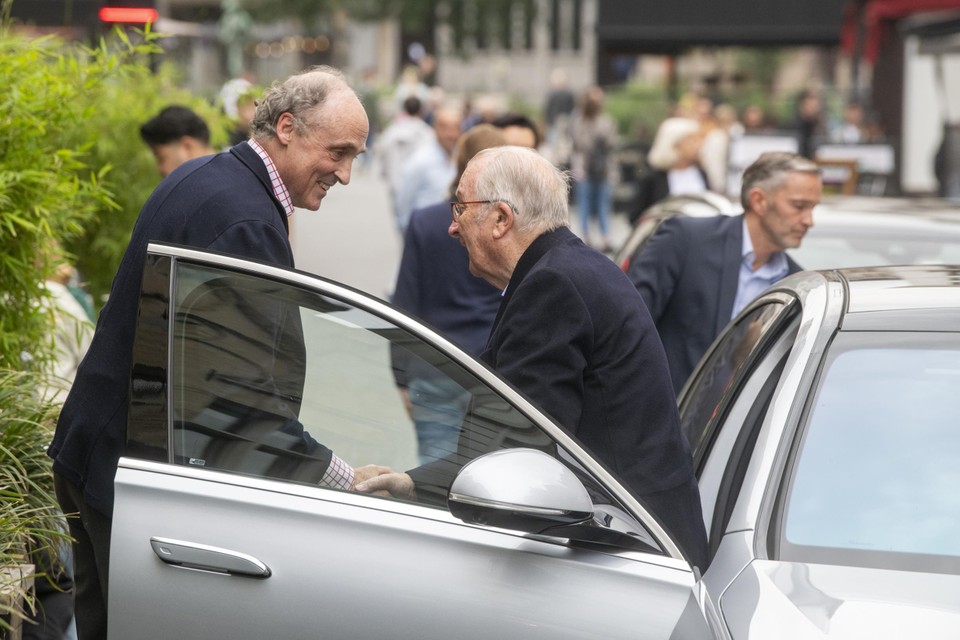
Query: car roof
[[902, 298], [884, 217]]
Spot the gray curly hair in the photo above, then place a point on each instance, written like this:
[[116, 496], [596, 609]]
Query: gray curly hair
[[298, 95]]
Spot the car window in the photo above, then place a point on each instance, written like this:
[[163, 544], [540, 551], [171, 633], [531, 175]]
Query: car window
[[713, 383], [268, 377], [874, 480], [722, 471]]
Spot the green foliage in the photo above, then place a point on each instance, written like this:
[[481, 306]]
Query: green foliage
[[638, 109], [47, 188], [29, 518], [74, 172], [117, 109]]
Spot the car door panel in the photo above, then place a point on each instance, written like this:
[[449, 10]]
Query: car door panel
[[341, 569], [220, 529]]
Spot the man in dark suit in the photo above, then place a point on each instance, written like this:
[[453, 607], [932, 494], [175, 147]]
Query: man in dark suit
[[573, 335], [695, 274], [307, 131]]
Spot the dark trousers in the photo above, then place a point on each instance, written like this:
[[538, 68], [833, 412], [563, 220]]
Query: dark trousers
[[91, 559]]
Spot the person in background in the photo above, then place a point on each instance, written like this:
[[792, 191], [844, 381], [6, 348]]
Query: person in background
[[673, 164], [715, 148], [434, 283], [809, 121], [243, 122], [425, 177], [307, 131], [406, 133], [520, 130], [593, 165], [573, 335], [175, 135], [696, 274], [558, 107]]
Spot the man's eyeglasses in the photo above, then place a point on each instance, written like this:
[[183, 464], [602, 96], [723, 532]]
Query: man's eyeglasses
[[457, 209]]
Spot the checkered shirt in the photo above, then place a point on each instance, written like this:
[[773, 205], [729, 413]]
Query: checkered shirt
[[279, 189], [339, 475]]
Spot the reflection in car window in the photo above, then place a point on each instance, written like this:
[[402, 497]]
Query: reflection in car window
[[877, 469], [714, 380], [264, 373]]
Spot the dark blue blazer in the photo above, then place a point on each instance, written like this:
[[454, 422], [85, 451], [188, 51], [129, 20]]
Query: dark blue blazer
[[574, 336], [688, 275], [223, 203]]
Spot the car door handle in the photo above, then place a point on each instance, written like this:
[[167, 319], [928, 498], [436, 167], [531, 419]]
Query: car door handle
[[191, 555]]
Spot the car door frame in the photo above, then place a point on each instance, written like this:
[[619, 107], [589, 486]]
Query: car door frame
[[150, 446]]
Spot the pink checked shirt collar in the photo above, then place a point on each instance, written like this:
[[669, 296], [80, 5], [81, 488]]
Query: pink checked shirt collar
[[279, 189]]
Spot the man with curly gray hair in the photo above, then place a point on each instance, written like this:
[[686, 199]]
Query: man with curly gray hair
[[307, 131]]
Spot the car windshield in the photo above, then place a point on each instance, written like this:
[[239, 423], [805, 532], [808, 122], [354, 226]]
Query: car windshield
[[875, 481]]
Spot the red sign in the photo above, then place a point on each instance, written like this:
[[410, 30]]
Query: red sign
[[137, 15]]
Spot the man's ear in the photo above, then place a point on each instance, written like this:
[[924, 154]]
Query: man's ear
[[757, 198], [286, 126], [504, 220]]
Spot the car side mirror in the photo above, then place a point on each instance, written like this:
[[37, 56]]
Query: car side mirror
[[520, 489]]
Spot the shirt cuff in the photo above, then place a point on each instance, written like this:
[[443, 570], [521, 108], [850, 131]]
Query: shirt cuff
[[339, 474]]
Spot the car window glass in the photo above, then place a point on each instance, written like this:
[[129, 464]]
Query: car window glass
[[723, 470], [713, 381], [267, 377], [876, 474]]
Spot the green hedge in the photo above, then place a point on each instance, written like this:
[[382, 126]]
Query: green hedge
[[73, 170]]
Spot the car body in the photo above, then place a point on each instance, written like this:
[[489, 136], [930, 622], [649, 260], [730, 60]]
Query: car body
[[221, 530], [848, 231], [823, 421]]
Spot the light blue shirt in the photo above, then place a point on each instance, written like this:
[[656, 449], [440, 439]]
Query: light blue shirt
[[752, 283]]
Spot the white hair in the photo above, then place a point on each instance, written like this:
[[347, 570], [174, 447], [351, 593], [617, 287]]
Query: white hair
[[534, 188]]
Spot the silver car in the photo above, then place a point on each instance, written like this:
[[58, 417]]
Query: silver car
[[825, 426], [221, 529]]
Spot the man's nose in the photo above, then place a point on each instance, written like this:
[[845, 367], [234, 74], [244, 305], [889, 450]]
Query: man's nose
[[343, 172], [453, 230]]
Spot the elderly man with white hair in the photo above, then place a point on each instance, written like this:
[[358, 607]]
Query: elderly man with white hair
[[573, 334]]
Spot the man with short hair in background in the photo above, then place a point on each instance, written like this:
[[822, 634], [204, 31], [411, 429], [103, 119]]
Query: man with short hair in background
[[696, 274], [176, 135]]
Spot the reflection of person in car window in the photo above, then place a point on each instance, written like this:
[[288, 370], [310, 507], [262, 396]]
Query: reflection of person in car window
[[573, 335]]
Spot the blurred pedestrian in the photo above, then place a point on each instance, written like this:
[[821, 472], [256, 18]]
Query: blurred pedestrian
[[406, 133], [246, 108], [715, 148], [695, 274], [434, 283], [573, 335], [425, 177], [175, 135], [558, 108], [593, 164], [809, 121], [519, 129], [306, 133], [673, 164]]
